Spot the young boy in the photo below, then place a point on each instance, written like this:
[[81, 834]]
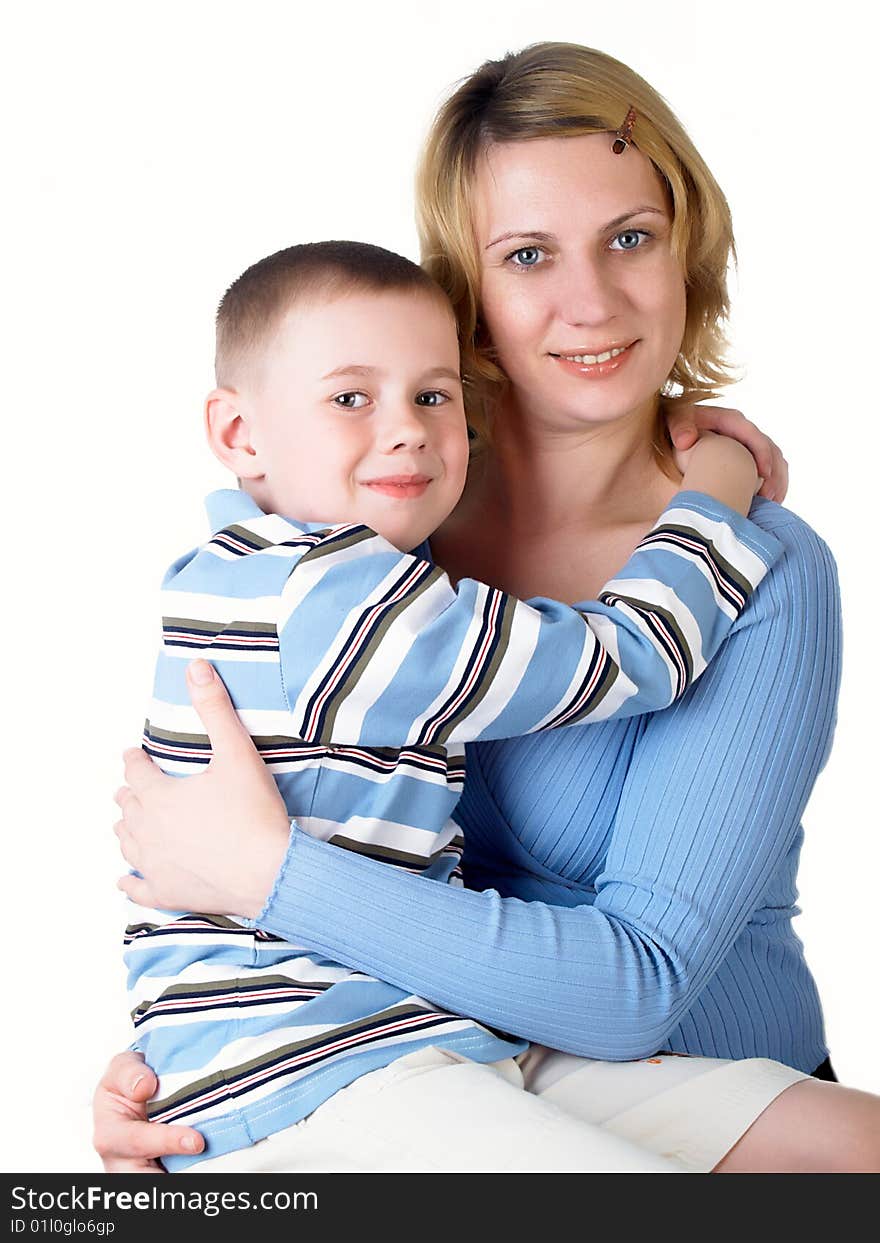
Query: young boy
[[361, 672]]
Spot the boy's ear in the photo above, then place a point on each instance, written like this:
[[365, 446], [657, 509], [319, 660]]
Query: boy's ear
[[229, 433]]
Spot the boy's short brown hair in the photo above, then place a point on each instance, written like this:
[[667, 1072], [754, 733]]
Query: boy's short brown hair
[[253, 305]]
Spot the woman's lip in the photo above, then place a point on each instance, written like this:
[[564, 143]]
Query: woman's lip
[[597, 371]]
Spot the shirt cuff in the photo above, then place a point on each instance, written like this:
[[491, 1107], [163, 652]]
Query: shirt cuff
[[278, 883], [297, 907], [753, 537], [288, 896]]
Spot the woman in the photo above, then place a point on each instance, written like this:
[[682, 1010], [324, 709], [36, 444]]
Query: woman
[[640, 876]]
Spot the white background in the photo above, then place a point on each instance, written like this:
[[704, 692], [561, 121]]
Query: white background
[[153, 152]]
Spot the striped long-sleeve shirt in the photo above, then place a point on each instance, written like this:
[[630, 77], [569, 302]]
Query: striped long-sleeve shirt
[[361, 672]]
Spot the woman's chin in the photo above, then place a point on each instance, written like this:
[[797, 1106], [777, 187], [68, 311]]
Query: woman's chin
[[619, 408], [576, 403]]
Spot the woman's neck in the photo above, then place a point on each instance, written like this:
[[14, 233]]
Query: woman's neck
[[552, 512], [548, 479]]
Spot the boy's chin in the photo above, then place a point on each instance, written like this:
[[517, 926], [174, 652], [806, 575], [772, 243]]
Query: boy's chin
[[406, 537], [404, 541]]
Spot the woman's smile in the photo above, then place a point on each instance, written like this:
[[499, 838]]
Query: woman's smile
[[599, 366]]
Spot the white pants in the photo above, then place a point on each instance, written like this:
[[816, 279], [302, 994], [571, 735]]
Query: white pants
[[434, 1111]]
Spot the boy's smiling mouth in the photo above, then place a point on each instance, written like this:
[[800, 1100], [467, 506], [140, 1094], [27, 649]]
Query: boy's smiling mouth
[[402, 487]]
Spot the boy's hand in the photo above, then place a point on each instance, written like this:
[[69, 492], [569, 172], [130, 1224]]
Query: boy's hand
[[739, 453], [687, 422], [722, 468], [123, 1139]]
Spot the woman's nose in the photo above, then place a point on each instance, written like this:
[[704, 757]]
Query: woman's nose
[[588, 292]]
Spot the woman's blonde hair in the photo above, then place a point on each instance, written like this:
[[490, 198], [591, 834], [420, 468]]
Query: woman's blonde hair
[[550, 90]]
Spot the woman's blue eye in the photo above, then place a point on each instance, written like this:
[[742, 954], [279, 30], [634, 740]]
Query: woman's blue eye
[[526, 256], [433, 397], [350, 401], [630, 239]]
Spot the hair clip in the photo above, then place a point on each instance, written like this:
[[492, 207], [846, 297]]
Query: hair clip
[[624, 135]]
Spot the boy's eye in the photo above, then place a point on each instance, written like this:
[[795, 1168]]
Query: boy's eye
[[525, 257], [432, 397], [629, 239], [351, 401]]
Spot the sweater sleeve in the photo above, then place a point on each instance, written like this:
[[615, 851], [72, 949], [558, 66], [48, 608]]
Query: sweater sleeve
[[378, 647], [711, 804]]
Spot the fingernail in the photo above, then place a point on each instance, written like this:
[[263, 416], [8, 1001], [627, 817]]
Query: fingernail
[[201, 672], [188, 1143], [135, 1082]]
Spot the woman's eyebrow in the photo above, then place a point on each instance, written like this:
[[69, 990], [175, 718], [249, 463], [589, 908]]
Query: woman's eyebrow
[[636, 211], [539, 235]]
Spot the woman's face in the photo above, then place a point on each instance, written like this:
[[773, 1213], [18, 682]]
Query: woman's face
[[581, 295]]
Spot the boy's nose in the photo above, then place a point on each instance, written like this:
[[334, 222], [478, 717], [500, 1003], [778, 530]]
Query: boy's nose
[[403, 429]]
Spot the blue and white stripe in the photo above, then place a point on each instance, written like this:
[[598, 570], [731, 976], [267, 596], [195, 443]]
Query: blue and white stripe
[[360, 672]]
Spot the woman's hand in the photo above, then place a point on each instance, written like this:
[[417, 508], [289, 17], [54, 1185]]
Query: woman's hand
[[124, 1140], [214, 842], [686, 422]]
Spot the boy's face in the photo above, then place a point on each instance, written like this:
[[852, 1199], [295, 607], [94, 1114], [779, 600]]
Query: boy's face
[[357, 415]]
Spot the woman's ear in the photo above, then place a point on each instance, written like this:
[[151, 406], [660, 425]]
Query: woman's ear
[[229, 433]]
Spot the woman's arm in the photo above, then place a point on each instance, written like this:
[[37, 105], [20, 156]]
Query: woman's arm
[[646, 639], [712, 802], [487, 956]]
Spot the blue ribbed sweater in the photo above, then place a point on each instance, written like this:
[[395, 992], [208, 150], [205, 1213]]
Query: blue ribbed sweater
[[632, 884]]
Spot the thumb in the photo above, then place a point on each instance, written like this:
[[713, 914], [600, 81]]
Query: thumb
[[684, 435], [143, 1085], [136, 888], [211, 701], [682, 425]]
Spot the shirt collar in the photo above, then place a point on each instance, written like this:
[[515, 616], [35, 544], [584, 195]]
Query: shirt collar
[[227, 506]]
